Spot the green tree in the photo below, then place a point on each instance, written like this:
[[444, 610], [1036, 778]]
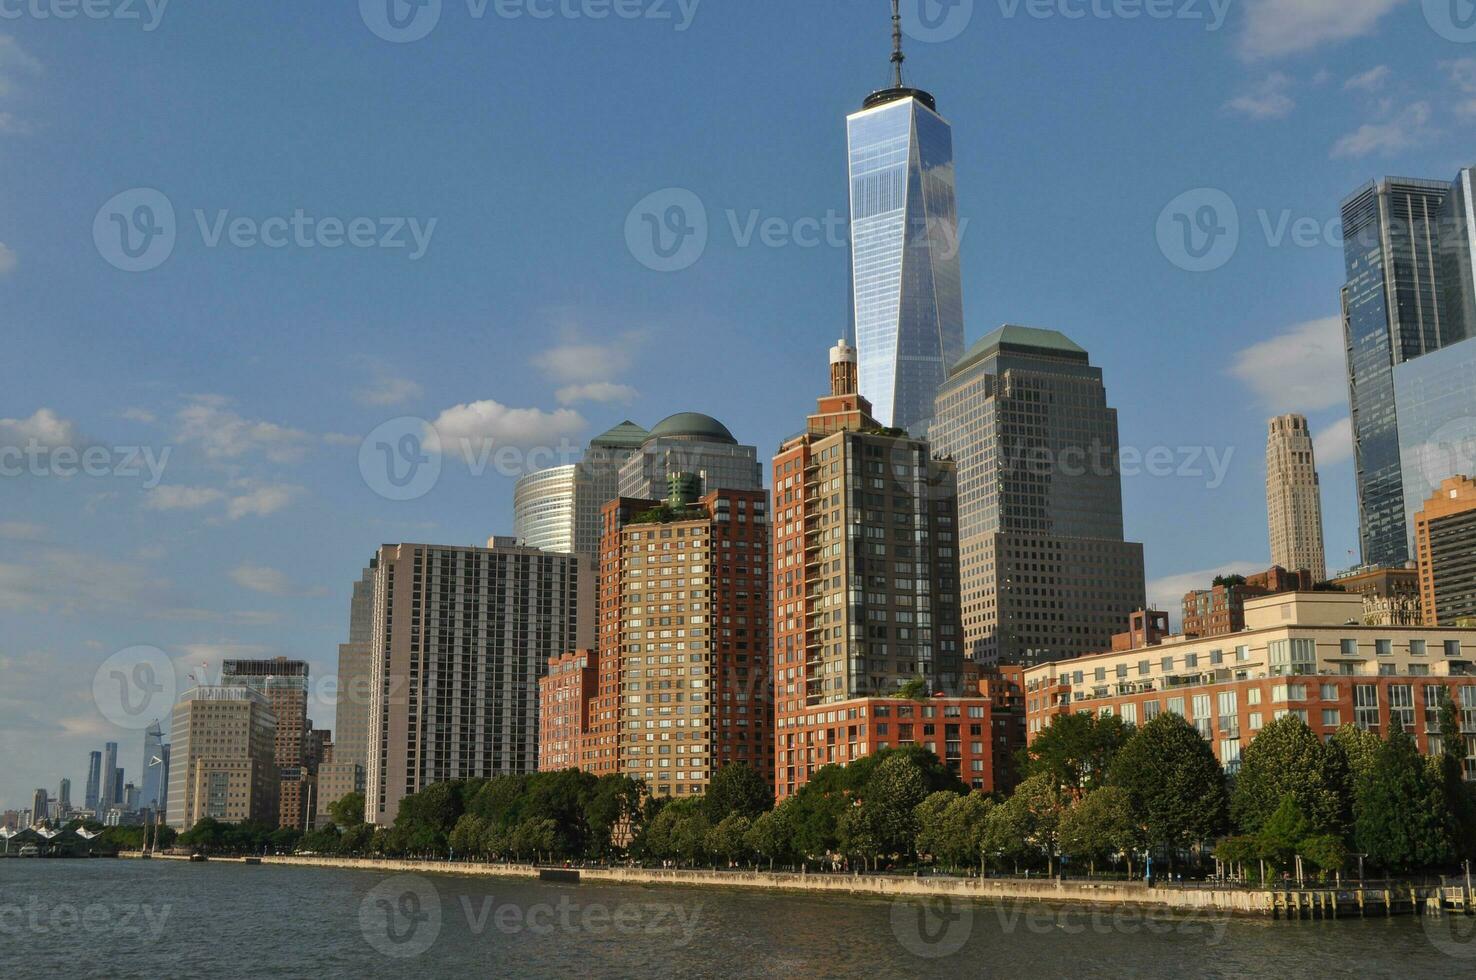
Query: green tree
[[737, 788], [1176, 785], [1287, 758], [1395, 825], [1076, 750], [1102, 824]]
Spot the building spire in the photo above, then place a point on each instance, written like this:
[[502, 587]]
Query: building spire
[[897, 56]]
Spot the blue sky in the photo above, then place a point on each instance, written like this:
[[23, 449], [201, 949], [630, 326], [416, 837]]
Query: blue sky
[[516, 147]]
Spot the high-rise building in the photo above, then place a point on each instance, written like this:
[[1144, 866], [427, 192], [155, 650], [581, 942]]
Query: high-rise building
[[1045, 571], [284, 682], [94, 781], [112, 779], [224, 757], [558, 509], [907, 299], [1403, 299], [461, 637], [1445, 543], [1294, 497], [689, 443], [355, 680], [866, 594], [683, 663], [153, 794]]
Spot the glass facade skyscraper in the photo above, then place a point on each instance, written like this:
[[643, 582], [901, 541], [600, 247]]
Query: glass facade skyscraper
[[1401, 301], [906, 293]]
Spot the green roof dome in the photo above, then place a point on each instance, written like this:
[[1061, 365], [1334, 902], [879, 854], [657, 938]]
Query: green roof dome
[[626, 435], [693, 425]]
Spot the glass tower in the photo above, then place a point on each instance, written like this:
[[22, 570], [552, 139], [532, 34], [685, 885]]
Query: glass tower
[[1397, 306], [907, 300]]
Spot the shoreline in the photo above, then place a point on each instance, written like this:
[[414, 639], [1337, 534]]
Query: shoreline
[[1290, 903]]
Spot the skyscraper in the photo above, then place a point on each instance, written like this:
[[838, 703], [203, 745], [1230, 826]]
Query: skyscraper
[[153, 794], [224, 763], [1294, 498], [558, 509], [907, 300], [94, 781], [112, 781], [285, 684], [1045, 571], [1403, 299], [694, 444], [461, 637]]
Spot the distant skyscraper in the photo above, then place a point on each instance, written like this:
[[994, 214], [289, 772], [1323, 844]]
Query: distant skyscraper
[[1403, 299], [689, 443], [558, 509], [94, 780], [1294, 498], [112, 781], [1045, 571], [905, 280], [152, 794], [461, 637], [224, 763], [355, 682]]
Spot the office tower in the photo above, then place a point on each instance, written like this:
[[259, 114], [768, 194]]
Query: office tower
[[64, 794], [683, 663], [866, 593], [112, 780], [224, 758], [154, 768], [355, 681], [1294, 498], [285, 684], [1399, 303], [907, 295], [39, 807], [461, 637], [558, 509], [94, 781], [689, 443], [1445, 542], [1436, 399], [1045, 571]]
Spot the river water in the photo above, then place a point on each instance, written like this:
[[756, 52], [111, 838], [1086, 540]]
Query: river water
[[153, 919]]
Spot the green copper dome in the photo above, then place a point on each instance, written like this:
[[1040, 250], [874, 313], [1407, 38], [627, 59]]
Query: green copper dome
[[693, 425]]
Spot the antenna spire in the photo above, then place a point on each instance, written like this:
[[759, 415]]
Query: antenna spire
[[897, 56]]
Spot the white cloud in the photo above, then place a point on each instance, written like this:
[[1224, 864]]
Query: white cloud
[[1267, 99], [387, 391], [171, 497], [1302, 370], [1406, 129], [223, 434], [44, 427], [597, 391], [1279, 27], [1334, 444], [1369, 81], [479, 422], [21, 531], [1167, 593], [7, 254]]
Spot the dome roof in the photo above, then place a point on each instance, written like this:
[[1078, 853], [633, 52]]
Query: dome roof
[[693, 425]]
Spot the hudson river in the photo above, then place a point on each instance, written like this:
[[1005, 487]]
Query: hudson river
[[152, 919]]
